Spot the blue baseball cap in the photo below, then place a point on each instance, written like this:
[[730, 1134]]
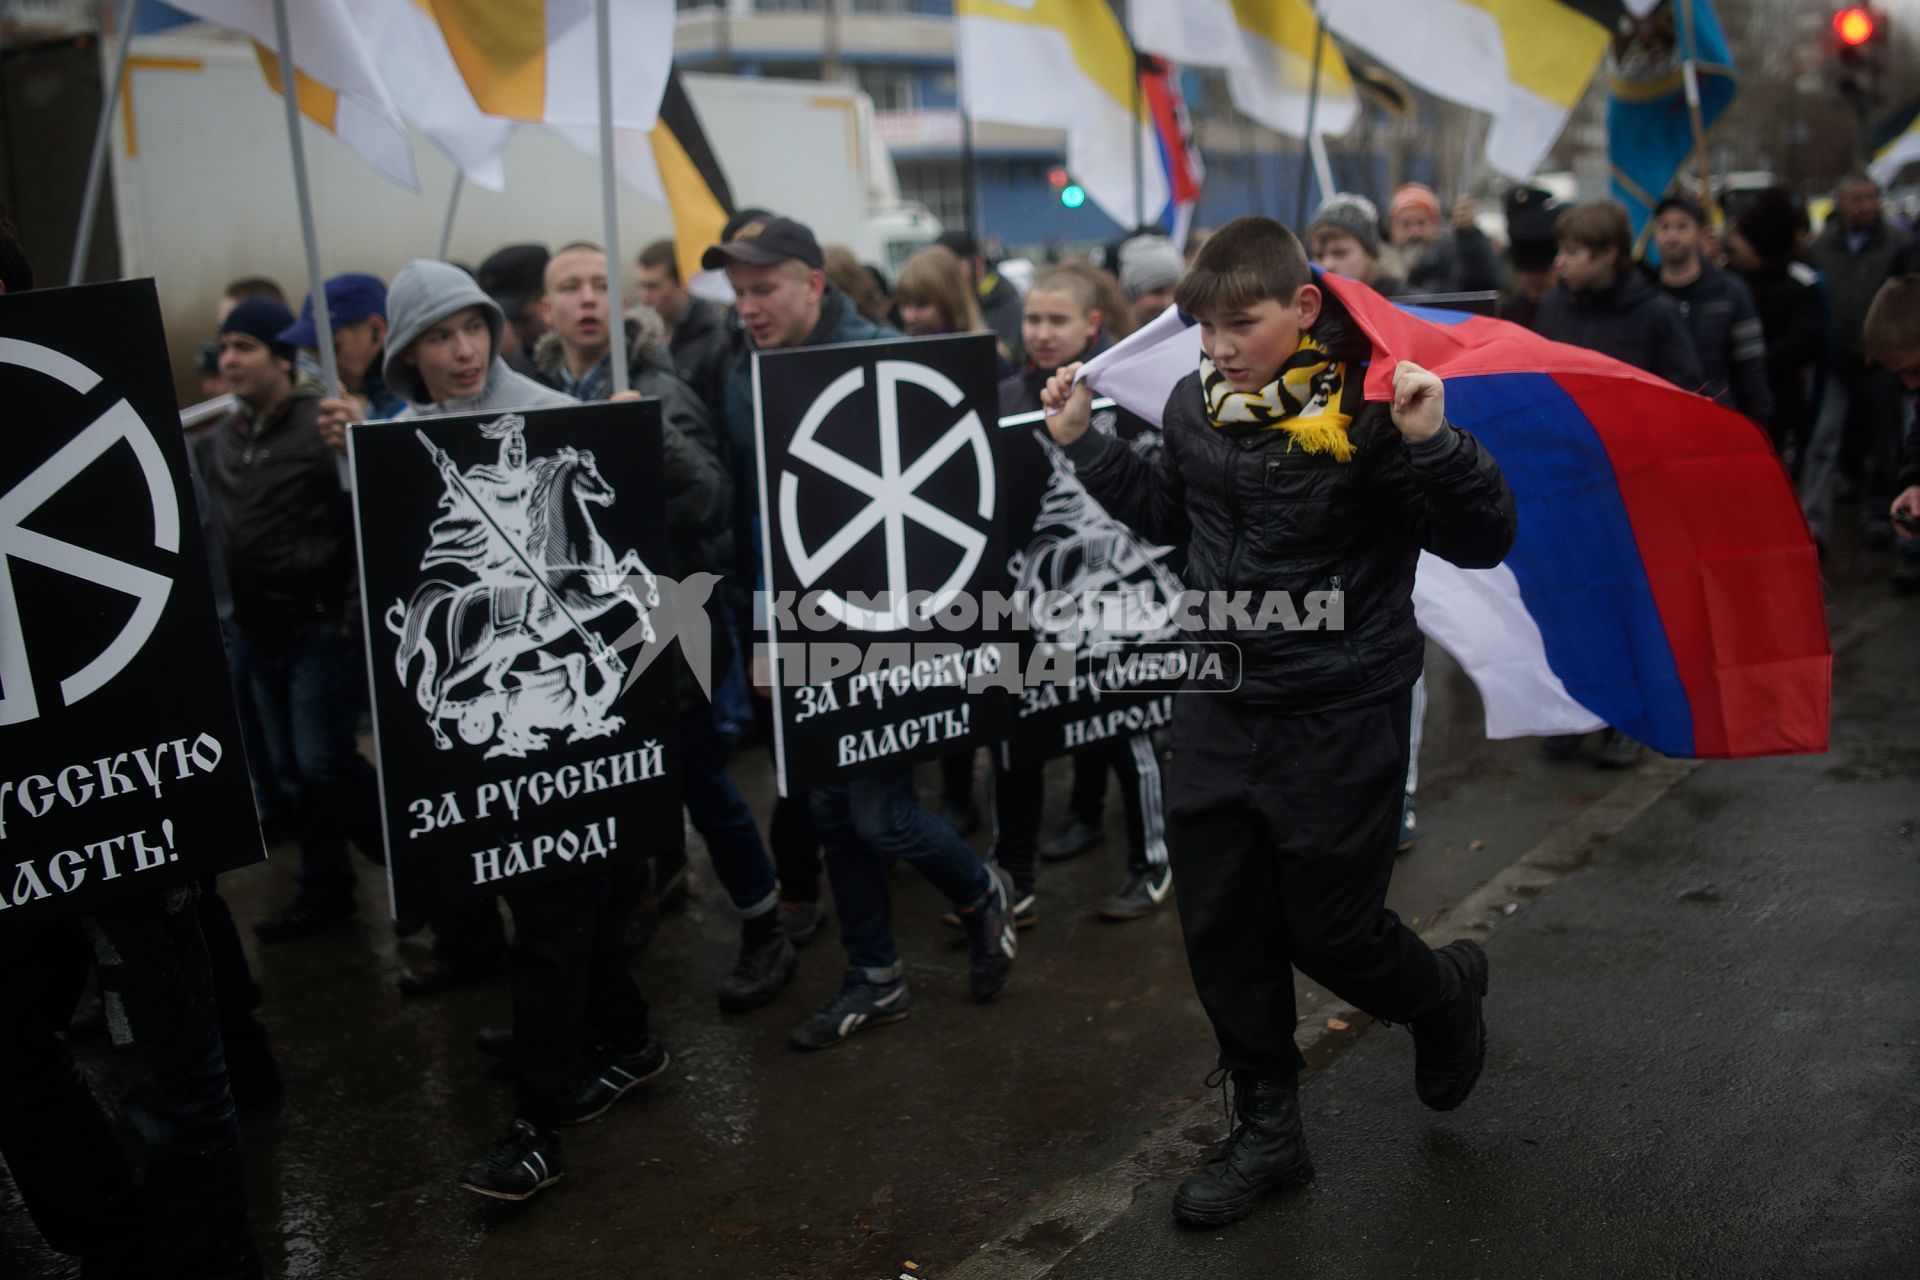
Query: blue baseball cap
[[351, 296]]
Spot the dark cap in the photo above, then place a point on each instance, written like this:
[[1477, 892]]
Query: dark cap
[[742, 218], [263, 320], [1531, 213], [351, 297], [777, 240], [1686, 204], [958, 243], [514, 276]]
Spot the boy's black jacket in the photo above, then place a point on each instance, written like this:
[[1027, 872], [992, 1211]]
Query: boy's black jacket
[[1253, 515]]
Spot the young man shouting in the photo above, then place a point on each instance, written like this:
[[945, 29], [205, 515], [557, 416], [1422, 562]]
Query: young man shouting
[[1284, 792]]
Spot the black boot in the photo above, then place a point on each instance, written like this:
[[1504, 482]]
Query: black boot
[[1265, 1153], [1450, 1044]]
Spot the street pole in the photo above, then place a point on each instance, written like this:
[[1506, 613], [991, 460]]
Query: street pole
[[968, 193], [1691, 73], [609, 201], [97, 163], [1139, 160], [296, 146], [453, 207]]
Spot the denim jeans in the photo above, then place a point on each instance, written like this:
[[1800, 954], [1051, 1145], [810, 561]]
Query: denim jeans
[[189, 1217], [310, 686], [267, 797], [864, 825], [721, 816]]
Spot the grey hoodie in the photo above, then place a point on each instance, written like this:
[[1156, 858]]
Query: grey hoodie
[[425, 293]]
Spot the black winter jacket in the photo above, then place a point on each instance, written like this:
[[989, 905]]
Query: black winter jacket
[[1462, 260], [703, 351], [1793, 316], [1852, 279], [1727, 339], [1632, 321], [284, 523], [1252, 514]]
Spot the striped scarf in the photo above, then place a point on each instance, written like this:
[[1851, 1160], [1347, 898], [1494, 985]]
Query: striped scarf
[[1307, 399]]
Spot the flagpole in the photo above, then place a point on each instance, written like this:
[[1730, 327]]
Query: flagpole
[[97, 164], [967, 178], [296, 146], [1691, 73], [1139, 160], [610, 200], [453, 207], [1321, 169]]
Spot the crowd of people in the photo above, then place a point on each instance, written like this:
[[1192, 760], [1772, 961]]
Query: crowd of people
[[1811, 336]]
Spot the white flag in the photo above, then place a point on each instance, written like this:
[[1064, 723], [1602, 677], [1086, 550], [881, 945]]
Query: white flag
[[411, 56], [1267, 48], [339, 87]]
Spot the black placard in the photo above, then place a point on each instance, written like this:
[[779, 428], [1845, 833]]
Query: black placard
[[121, 769], [880, 498], [512, 568], [1106, 654]]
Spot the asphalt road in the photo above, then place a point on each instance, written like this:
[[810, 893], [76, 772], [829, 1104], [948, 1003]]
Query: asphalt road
[[1704, 1051]]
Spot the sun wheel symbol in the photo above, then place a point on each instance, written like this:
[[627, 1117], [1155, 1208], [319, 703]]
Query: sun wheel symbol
[[893, 497], [120, 424]]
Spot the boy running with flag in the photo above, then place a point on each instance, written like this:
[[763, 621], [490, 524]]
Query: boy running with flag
[[1284, 793]]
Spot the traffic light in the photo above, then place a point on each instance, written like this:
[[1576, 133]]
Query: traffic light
[[1854, 26], [1071, 193], [1859, 51]]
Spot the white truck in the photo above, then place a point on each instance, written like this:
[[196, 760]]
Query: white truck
[[203, 182]]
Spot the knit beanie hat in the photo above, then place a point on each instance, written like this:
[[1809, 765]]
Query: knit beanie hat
[[261, 319], [1148, 263], [1353, 214]]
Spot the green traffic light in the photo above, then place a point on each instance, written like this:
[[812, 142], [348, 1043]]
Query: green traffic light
[[1073, 196]]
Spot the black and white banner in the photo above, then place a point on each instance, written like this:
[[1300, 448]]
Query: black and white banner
[[882, 539], [1106, 653], [523, 644], [121, 769]]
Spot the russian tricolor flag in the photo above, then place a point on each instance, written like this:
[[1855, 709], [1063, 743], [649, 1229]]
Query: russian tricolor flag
[[1663, 580]]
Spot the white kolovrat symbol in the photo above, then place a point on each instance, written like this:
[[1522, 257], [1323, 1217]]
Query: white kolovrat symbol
[[150, 590], [893, 495]]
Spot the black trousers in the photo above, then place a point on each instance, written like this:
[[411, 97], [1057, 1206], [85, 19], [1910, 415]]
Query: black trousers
[[1019, 795], [571, 989], [1281, 830]]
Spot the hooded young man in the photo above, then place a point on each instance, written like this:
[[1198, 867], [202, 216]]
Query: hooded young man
[[1284, 790]]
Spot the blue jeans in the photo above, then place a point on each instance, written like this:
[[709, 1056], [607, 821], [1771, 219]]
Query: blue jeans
[[310, 686], [866, 823], [721, 816], [189, 1217]]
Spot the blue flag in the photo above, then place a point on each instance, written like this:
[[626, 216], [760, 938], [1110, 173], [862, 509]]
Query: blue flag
[[1649, 131]]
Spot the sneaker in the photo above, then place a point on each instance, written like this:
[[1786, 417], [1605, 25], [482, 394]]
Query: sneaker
[[858, 1004], [761, 973], [1026, 913], [618, 1074], [1407, 832], [1073, 838], [1617, 751], [991, 944], [1562, 746], [1450, 1044], [801, 921], [305, 917], [524, 1162], [1143, 891]]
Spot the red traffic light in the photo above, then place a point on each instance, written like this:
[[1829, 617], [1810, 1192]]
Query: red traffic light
[[1056, 177], [1853, 26]]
